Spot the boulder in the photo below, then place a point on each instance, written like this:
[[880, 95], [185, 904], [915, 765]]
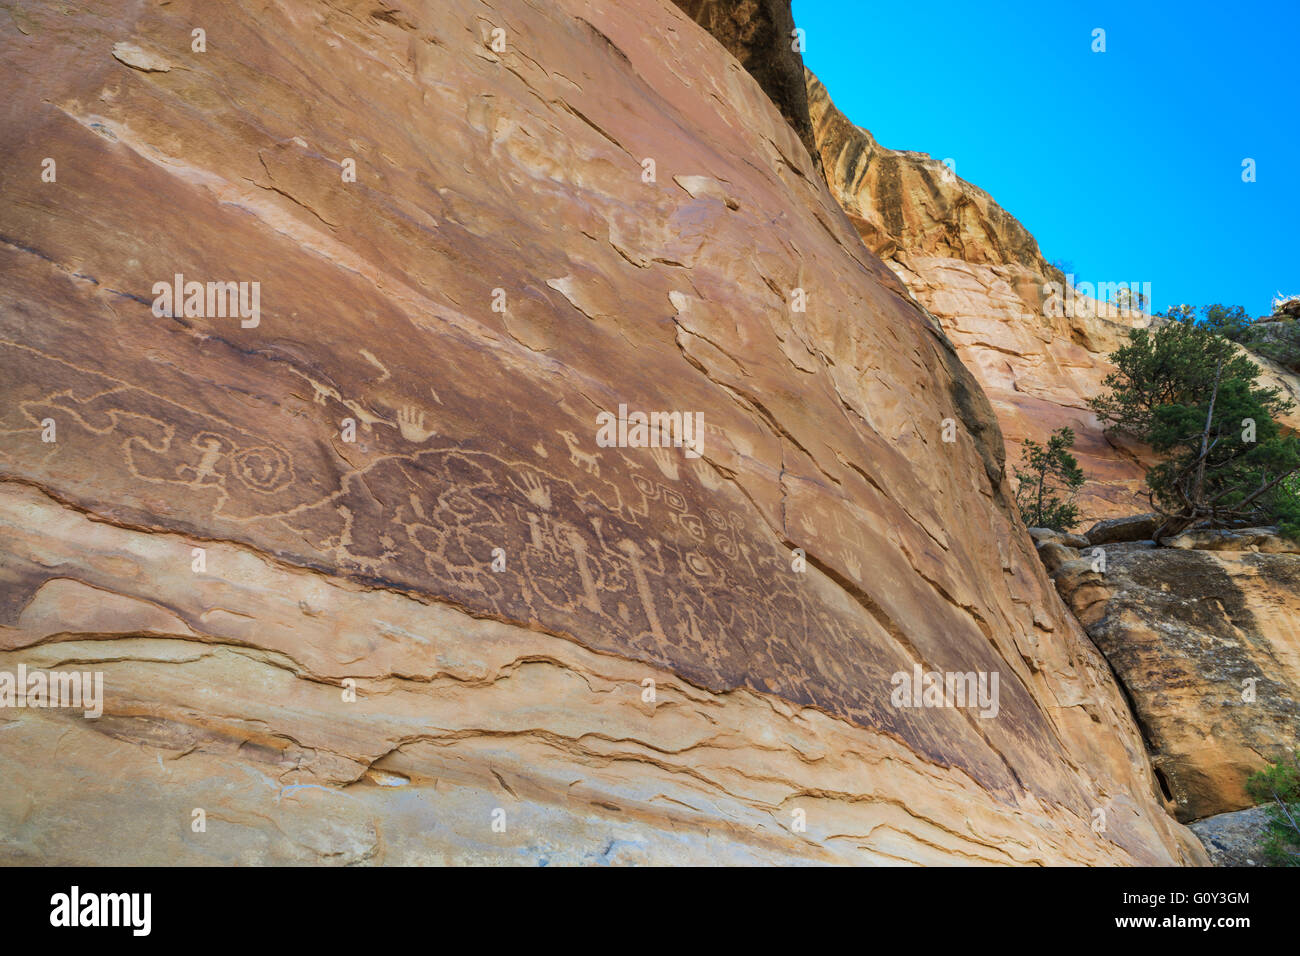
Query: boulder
[[1055, 553], [1244, 539], [1129, 528]]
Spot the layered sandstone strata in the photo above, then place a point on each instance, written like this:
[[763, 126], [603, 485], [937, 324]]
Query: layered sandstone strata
[[363, 586]]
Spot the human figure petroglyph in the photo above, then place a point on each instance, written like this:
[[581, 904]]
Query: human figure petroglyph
[[635, 555], [591, 596], [212, 449], [535, 531]]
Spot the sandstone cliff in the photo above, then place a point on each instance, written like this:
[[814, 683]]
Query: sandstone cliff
[[981, 274], [388, 485]]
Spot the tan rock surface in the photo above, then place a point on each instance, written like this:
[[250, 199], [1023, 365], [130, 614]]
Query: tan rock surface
[[981, 274], [328, 560], [1192, 635]]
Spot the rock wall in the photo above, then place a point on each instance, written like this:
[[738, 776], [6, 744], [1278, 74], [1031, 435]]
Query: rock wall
[[1203, 637], [362, 584]]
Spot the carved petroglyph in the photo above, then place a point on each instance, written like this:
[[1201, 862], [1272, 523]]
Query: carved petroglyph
[[149, 448], [410, 423], [666, 462], [590, 594], [534, 490], [365, 354], [638, 561], [577, 456]]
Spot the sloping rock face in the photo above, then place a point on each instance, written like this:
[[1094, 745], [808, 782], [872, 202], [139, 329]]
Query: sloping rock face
[[760, 34], [361, 583], [1039, 356], [1206, 645]]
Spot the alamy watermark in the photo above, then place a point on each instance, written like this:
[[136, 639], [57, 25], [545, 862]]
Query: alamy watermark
[[652, 430], [948, 689], [74, 908], [1103, 300], [54, 690], [209, 300]]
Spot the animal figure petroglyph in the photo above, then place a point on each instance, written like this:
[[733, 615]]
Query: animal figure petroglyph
[[377, 364], [579, 457]]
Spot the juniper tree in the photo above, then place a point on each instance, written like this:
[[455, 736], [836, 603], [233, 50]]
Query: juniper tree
[[1278, 786], [1048, 485], [1193, 397]]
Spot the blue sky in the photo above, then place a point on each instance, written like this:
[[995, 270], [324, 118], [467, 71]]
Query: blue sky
[[1126, 163]]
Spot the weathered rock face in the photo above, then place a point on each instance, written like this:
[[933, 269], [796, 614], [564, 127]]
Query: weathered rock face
[[1206, 645], [761, 35], [1039, 357], [379, 483]]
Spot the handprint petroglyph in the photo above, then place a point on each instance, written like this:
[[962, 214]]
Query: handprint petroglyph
[[852, 565], [536, 492], [410, 422], [667, 464]]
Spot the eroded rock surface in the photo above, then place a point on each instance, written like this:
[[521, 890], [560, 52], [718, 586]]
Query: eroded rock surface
[[508, 176], [1207, 646]]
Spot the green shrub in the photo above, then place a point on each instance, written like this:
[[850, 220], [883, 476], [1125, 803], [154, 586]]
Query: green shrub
[[1230, 321], [1278, 786], [1279, 341], [1191, 395], [1048, 485]]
